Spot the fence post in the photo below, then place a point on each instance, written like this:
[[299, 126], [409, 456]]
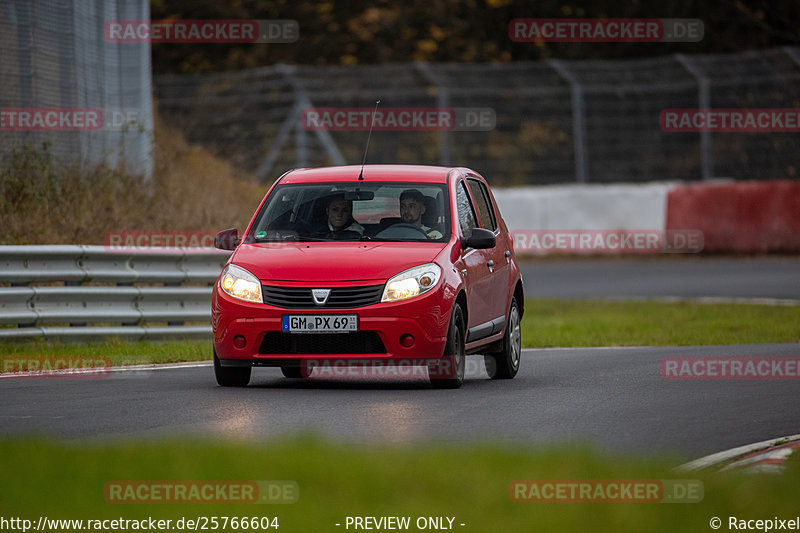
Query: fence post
[[293, 121], [704, 97], [265, 167], [578, 120], [301, 139], [442, 102], [792, 53], [301, 145]]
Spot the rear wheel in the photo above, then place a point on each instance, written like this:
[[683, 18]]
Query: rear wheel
[[505, 364], [449, 372], [231, 376]]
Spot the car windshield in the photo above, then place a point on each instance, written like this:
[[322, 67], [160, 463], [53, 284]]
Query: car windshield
[[395, 211]]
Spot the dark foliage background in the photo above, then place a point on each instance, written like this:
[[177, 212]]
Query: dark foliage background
[[345, 32]]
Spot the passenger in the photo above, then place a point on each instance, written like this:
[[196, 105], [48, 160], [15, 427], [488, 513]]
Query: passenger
[[340, 223], [412, 207]]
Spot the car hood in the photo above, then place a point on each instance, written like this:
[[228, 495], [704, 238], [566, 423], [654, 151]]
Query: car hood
[[333, 261]]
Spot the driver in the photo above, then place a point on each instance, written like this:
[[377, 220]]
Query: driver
[[412, 207], [340, 222]]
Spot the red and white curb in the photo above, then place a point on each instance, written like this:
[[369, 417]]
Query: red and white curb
[[768, 456]]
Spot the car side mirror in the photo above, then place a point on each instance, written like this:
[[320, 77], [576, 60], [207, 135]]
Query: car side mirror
[[227, 239], [481, 238]]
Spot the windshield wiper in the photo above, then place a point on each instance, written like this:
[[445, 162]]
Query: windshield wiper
[[292, 238], [313, 239]]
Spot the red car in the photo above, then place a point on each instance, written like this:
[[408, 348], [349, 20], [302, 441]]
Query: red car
[[389, 264]]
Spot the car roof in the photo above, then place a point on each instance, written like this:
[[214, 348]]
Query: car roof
[[372, 173]]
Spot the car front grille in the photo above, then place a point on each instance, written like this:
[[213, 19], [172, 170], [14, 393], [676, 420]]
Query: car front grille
[[356, 342], [339, 298]]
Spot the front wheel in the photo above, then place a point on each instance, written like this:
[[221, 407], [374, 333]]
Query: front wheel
[[505, 364], [231, 376], [449, 372]]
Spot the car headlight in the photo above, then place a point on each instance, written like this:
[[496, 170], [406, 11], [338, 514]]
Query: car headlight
[[241, 284], [412, 282]]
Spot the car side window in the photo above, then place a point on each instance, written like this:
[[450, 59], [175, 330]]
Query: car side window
[[466, 214], [481, 196]]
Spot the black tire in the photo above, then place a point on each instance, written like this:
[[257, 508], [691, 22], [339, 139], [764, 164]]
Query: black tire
[[231, 376], [505, 364], [449, 373], [296, 372]]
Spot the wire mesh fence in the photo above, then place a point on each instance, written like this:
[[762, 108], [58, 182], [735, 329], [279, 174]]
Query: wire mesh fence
[[556, 121], [57, 70]]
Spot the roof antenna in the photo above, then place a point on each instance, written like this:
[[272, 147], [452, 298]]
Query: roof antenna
[[372, 123]]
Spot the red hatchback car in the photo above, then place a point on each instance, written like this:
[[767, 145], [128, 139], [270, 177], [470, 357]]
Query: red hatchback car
[[395, 264]]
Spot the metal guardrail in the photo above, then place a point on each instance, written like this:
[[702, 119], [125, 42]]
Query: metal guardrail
[[77, 292]]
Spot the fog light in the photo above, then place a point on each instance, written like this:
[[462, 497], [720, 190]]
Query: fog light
[[407, 340], [239, 341]]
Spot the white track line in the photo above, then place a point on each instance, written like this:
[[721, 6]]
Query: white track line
[[104, 370], [164, 366], [706, 300]]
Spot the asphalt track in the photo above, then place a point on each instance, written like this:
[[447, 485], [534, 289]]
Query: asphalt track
[[611, 397], [683, 277]]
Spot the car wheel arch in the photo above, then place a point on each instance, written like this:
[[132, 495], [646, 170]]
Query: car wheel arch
[[461, 300], [519, 294]]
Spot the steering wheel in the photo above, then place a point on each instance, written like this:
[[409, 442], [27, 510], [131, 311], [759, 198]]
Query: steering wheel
[[288, 232], [282, 235], [392, 231]]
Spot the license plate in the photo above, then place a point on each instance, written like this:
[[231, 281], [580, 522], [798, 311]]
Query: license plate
[[320, 323]]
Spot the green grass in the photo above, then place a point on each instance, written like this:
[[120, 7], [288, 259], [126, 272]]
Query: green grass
[[119, 352], [470, 483], [601, 323], [546, 323]]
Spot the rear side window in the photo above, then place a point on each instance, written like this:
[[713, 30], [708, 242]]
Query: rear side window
[[481, 196], [466, 214]]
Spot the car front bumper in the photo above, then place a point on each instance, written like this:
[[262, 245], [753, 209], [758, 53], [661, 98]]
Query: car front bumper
[[380, 327]]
